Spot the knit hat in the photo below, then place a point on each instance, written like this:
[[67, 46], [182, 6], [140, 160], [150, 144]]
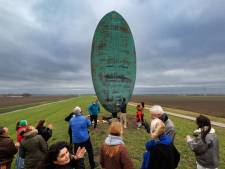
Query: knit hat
[[77, 110], [23, 123]]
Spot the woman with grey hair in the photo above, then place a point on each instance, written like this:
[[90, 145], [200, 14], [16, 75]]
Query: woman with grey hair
[[158, 112]]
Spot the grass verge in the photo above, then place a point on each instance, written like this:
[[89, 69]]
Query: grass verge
[[134, 139]]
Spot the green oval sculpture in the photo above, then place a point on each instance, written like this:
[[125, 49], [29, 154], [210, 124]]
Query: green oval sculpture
[[113, 61]]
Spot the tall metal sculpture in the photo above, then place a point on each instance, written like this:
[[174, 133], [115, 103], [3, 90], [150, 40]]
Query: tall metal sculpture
[[113, 61]]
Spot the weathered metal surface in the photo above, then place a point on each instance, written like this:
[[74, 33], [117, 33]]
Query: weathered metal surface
[[113, 61]]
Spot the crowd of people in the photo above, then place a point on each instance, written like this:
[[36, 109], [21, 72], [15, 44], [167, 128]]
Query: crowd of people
[[33, 151]]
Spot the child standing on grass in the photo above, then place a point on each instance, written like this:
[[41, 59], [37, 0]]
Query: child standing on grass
[[139, 116], [205, 145], [142, 112]]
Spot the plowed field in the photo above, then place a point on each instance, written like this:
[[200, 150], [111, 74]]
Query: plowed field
[[211, 105]]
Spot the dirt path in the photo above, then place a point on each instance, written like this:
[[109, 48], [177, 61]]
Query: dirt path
[[183, 116]]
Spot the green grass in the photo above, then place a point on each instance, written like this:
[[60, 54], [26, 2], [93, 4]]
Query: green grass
[[134, 139]]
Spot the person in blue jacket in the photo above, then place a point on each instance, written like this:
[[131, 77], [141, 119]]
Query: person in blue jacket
[[93, 110], [80, 136]]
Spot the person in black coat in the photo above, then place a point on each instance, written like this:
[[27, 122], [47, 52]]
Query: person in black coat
[[67, 119], [161, 153], [45, 132]]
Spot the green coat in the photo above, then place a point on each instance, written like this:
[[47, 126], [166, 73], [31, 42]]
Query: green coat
[[33, 148]]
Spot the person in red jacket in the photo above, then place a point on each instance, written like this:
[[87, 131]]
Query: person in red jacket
[[139, 116], [20, 129]]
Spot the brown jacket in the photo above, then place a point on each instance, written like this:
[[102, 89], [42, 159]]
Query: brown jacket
[[120, 160], [7, 149]]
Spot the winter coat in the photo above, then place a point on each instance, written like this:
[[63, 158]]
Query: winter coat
[[33, 148], [79, 126], [69, 128], [170, 129], [18, 133], [123, 107], [94, 109], [45, 132], [207, 153], [138, 116], [160, 154], [7, 149], [120, 160]]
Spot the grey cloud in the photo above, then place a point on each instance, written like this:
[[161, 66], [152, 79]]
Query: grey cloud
[[45, 45]]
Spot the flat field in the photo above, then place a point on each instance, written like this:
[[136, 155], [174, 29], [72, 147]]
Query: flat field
[[210, 105], [134, 139], [14, 103]]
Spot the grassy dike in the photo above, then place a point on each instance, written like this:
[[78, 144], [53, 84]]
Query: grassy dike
[[134, 139]]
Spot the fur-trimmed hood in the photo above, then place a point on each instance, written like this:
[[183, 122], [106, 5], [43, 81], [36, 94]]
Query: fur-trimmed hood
[[30, 131]]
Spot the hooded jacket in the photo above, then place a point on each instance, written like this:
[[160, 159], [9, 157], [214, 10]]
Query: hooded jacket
[[120, 160], [32, 148], [207, 153]]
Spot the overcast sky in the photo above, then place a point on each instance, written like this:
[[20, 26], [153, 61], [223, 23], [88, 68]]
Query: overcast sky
[[45, 45]]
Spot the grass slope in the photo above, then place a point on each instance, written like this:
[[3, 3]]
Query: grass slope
[[134, 139]]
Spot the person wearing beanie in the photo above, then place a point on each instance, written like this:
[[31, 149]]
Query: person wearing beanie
[[7, 149], [23, 123], [158, 112], [20, 128], [80, 136], [160, 152]]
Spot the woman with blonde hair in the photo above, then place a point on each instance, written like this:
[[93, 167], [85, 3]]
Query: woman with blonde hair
[[160, 152], [114, 154]]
